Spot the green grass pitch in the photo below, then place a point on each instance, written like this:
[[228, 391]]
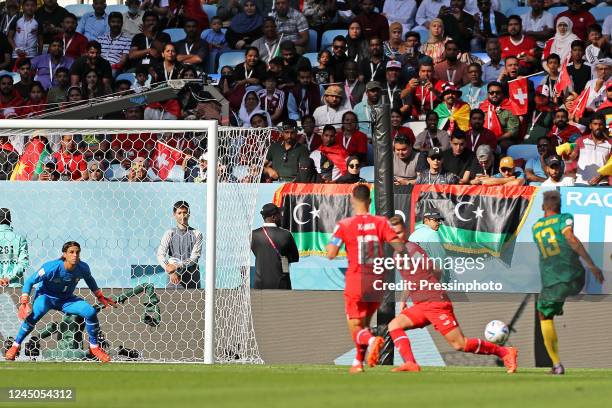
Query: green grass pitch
[[292, 386]]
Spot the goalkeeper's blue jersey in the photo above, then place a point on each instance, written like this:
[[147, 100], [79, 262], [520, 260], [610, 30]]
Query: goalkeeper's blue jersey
[[58, 282]]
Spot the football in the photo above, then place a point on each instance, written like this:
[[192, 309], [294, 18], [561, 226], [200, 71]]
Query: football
[[496, 332]]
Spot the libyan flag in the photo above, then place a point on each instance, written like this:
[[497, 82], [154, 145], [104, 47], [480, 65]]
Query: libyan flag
[[477, 219], [311, 211]]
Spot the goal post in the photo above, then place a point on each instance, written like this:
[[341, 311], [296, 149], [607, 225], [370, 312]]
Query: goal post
[[122, 259]]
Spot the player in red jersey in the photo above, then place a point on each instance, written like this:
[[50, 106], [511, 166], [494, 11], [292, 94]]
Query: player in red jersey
[[364, 236], [431, 305]]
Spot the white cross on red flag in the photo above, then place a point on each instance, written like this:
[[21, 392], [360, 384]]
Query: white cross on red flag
[[519, 93], [166, 157]]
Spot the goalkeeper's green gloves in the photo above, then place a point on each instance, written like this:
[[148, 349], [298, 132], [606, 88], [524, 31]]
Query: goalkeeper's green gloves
[[106, 302], [24, 307]]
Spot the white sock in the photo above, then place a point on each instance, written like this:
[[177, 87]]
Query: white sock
[[356, 362], [371, 341], [15, 344], [93, 346]]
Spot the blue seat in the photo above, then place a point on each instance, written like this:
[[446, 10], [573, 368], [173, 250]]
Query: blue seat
[[127, 76], [15, 75], [121, 8], [328, 37], [483, 56], [600, 13], [523, 151], [115, 172], [231, 58], [423, 32], [210, 10], [505, 5], [313, 36], [536, 79], [313, 57], [519, 11], [555, 11], [367, 173], [176, 34], [79, 10]]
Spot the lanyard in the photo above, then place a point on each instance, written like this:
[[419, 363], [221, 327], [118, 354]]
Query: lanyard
[[374, 70], [329, 119], [67, 45], [66, 169], [247, 73], [391, 93], [450, 74], [534, 120], [168, 76], [147, 43], [423, 98], [52, 71], [271, 51], [435, 181], [304, 103], [346, 142], [474, 142], [490, 113], [7, 23], [473, 99], [309, 141], [188, 48], [348, 89]]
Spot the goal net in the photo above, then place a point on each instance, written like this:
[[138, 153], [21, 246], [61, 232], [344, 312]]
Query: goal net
[[113, 186]]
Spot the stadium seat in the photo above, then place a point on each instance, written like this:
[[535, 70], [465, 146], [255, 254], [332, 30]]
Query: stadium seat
[[523, 151], [328, 37], [129, 76], [121, 8], [176, 34], [210, 10], [115, 172], [423, 32], [313, 36], [15, 75], [505, 5], [555, 11], [600, 13], [518, 10], [79, 10], [416, 127], [231, 58], [536, 79], [313, 58], [367, 173]]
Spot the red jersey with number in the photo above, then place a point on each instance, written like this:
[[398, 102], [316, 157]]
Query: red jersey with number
[[363, 237]]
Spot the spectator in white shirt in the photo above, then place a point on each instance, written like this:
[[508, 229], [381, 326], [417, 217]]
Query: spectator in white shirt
[[132, 19], [428, 10], [24, 35], [554, 170], [607, 26], [538, 24], [471, 6], [400, 11]]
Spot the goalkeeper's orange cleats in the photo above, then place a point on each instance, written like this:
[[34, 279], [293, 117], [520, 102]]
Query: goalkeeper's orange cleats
[[407, 366], [510, 360], [356, 369], [100, 354], [374, 353], [12, 353]]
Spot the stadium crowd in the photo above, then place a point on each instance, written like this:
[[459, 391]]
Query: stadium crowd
[[477, 96]]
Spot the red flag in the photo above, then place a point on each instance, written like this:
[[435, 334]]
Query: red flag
[[581, 103], [518, 90], [165, 159], [564, 80]]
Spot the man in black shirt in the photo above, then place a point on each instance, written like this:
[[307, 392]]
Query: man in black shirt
[[50, 16], [147, 46], [373, 69], [338, 58], [191, 50], [92, 60], [577, 69], [274, 249], [458, 159], [283, 157]]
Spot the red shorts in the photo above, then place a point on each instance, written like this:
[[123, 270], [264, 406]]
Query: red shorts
[[440, 314], [358, 309]]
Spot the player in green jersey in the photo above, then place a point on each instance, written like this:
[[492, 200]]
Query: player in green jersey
[[561, 271]]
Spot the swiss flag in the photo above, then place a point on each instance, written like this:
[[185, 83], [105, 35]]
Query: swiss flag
[[518, 90], [165, 159], [564, 80]]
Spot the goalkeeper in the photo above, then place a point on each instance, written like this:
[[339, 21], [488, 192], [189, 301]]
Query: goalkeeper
[[58, 279]]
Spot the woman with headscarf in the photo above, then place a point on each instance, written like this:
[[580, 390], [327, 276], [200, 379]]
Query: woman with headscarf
[[307, 171], [356, 45], [561, 43], [352, 175], [249, 107], [245, 26], [434, 47], [395, 47]]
